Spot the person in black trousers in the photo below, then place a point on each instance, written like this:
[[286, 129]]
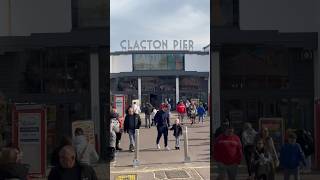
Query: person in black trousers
[[163, 123]]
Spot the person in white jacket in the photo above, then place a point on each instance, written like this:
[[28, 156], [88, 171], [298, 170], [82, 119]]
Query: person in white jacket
[[86, 153]]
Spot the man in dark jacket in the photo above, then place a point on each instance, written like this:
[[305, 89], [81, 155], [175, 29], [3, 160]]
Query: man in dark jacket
[[147, 111], [162, 121], [10, 167], [69, 168], [132, 122]]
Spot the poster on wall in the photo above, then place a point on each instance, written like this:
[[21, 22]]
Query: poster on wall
[[29, 133], [119, 104], [276, 129], [88, 128], [29, 128]]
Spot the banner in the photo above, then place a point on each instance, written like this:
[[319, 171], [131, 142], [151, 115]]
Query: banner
[[29, 134], [88, 128], [119, 103]]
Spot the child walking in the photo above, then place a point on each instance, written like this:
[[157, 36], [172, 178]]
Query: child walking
[[291, 156], [261, 162], [201, 112], [177, 132]]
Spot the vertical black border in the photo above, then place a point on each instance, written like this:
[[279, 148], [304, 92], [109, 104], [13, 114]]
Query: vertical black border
[[211, 91], [106, 80]]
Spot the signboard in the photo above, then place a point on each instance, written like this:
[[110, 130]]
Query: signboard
[[276, 129], [88, 129], [29, 128], [127, 177], [119, 104], [29, 134]]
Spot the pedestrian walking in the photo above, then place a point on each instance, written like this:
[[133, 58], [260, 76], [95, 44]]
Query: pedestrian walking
[[177, 132], [86, 153], [114, 129], [291, 156], [228, 154], [147, 111], [136, 108], [154, 112], [181, 109], [248, 141], [305, 139], [270, 148], [201, 112], [131, 123], [69, 168], [261, 162], [162, 121], [193, 112], [119, 133]]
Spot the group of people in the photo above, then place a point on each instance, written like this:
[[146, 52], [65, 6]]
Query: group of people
[[132, 121], [191, 110], [259, 152], [71, 160]]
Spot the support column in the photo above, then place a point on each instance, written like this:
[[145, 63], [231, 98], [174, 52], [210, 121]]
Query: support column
[[139, 90], [215, 97], [177, 90], [95, 97]]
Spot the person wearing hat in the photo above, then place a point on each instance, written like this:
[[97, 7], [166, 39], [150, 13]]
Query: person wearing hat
[[162, 121]]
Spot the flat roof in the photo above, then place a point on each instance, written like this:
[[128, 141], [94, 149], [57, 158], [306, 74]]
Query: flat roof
[[85, 37], [115, 53], [159, 73], [234, 36]]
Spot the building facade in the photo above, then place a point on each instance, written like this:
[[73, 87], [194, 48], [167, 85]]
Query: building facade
[[55, 55], [266, 63], [153, 76]]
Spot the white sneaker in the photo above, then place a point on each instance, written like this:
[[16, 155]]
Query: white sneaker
[[167, 148], [158, 146]]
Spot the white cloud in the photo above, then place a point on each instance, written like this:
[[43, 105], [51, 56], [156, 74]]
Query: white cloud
[[160, 19]]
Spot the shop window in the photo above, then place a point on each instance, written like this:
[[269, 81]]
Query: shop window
[[89, 13], [158, 62], [225, 13], [67, 73]]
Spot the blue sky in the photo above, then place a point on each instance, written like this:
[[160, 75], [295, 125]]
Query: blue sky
[[160, 19]]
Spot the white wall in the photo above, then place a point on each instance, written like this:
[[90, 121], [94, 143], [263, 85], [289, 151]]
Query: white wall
[[194, 62], [35, 16], [121, 63]]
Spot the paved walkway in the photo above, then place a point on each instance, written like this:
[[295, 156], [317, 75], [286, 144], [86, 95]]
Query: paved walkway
[[162, 164]]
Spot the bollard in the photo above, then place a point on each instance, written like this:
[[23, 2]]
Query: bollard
[[136, 161], [186, 152]]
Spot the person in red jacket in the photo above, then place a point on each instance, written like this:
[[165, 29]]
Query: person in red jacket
[[181, 109], [228, 154]]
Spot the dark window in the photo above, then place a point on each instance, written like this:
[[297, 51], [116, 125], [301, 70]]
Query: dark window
[[158, 62], [89, 13], [225, 13], [56, 72]]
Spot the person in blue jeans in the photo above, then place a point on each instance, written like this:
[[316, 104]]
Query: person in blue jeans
[[162, 121], [132, 122], [177, 132], [291, 156], [201, 112]]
